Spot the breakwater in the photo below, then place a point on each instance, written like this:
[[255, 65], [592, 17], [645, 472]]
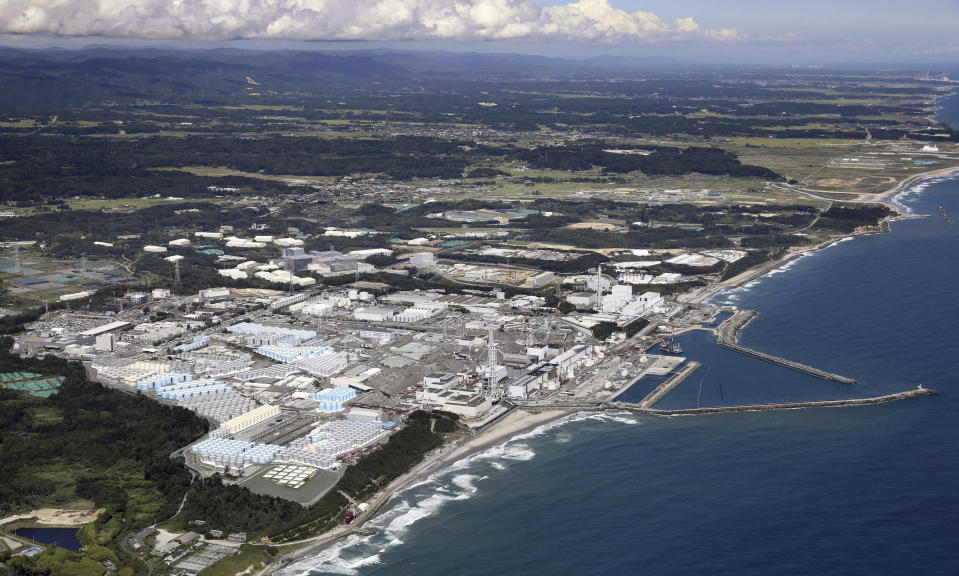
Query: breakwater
[[915, 393], [645, 408], [726, 336], [666, 387]]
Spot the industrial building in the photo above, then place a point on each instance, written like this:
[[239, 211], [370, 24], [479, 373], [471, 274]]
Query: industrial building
[[619, 296], [290, 334], [373, 314], [105, 343], [75, 296], [251, 418], [444, 390], [414, 315], [468, 406], [284, 277], [423, 260], [89, 336], [359, 414], [268, 374], [287, 301], [324, 365], [582, 299], [540, 280], [296, 259], [567, 362], [291, 353]]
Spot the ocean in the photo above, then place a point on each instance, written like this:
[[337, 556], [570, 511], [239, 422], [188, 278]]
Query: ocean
[[835, 491]]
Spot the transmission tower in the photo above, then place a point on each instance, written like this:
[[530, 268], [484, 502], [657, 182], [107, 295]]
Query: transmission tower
[[491, 359], [599, 287], [18, 265], [176, 274], [289, 268]]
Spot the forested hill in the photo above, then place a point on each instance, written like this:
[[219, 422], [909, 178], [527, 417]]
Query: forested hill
[[660, 160]]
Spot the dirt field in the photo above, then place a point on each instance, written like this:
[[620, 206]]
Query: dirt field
[[56, 516], [595, 226]]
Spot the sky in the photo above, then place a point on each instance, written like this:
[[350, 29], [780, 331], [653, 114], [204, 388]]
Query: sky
[[796, 32]]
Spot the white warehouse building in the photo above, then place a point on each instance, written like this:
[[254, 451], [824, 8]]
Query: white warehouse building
[[423, 260], [251, 418], [373, 314]]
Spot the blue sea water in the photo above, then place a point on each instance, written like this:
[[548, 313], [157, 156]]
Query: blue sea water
[[836, 491]]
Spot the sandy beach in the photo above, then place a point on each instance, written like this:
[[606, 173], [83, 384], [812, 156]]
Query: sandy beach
[[903, 184], [513, 424]]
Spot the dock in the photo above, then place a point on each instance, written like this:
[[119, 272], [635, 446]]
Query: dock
[[666, 387], [726, 337]]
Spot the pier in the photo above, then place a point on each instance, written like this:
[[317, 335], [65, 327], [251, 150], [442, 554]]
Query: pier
[[666, 387], [726, 337]]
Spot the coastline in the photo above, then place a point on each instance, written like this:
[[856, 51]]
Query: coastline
[[520, 421], [517, 422], [888, 198]]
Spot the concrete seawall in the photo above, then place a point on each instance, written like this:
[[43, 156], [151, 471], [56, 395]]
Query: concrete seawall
[[726, 336], [777, 406], [666, 387], [639, 408]]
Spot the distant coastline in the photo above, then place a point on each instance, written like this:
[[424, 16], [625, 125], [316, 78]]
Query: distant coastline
[[519, 421]]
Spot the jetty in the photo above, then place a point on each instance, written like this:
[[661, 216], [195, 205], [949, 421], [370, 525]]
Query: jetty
[[915, 393], [726, 336], [667, 386], [942, 212], [646, 408]]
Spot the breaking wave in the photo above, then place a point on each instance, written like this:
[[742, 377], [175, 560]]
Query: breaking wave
[[901, 199], [459, 481]]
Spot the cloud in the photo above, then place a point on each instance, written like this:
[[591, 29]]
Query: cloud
[[724, 35], [582, 20], [686, 24]]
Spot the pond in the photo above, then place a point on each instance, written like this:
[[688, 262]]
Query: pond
[[62, 537]]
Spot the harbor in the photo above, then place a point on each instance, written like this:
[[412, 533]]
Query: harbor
[[681, 369]]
